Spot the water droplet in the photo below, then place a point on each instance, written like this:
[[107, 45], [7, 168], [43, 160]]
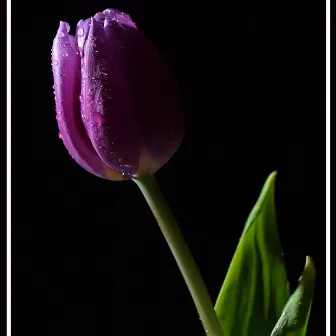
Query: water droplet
[[60, 135], [119, 160], [80, 32], [65, 54], [60, 34], [98, 118], [55, 62]]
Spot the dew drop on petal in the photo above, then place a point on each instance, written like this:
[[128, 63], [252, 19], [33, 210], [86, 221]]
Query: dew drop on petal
[[60, 34], [98, 118]]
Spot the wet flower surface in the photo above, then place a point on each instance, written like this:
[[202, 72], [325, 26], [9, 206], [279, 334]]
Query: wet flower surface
[[117, 104]]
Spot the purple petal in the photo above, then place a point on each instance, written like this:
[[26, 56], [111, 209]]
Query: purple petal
[[66, 69], [107, 107], [100, 17], [119, 17], [82, 32], [150, 84]]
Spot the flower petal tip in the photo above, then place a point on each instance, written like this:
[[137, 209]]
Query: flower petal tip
[[64, 28]]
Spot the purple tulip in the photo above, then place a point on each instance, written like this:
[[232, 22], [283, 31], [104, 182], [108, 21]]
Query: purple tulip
[[118, 109]]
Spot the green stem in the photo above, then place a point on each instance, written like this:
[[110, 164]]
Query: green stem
[[180, 250]]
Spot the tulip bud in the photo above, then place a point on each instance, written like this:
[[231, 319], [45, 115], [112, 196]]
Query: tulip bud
[[118, 109]]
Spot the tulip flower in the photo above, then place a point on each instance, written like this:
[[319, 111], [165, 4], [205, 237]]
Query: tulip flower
[[118, 108], [120, 117]]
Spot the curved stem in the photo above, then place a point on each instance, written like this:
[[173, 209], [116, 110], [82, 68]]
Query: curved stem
[[180, 250]]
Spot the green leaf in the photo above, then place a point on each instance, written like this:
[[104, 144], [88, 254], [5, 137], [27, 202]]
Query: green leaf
[[295, 316], [255, 289]]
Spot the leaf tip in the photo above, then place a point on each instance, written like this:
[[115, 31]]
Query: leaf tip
[[267, 193], [271, 177], [309, 269], [269, 185]]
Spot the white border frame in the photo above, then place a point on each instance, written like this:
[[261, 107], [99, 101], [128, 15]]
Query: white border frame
[[9, 235], [328, 167]]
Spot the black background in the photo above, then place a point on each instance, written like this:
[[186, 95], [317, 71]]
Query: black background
[[88, 257]]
